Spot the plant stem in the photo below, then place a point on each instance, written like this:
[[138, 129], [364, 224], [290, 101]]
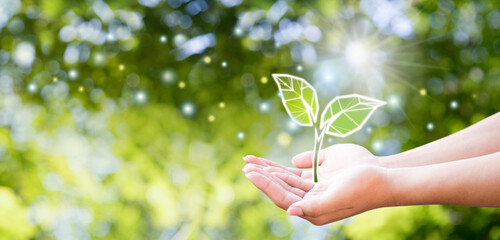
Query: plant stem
[[318, 141]]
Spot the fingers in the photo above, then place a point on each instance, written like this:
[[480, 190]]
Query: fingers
[[310, 207], [266, 163], [257, 168], [294, 181], [272, 189], [328, 217], [304, 160]]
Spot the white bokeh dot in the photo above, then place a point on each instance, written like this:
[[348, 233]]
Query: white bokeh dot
[[188, 109], [240, 135], [430, 126], [454, 104]]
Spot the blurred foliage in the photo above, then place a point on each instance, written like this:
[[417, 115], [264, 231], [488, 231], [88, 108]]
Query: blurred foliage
[[128, 119]]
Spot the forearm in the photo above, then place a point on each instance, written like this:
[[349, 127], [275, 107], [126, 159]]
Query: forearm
[[479, 139], [469, 182]]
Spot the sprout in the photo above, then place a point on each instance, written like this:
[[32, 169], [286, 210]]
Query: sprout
[[342, 116]]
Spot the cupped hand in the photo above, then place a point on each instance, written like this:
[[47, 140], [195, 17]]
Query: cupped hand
[[345, 193], [334, 158], [286, 186]]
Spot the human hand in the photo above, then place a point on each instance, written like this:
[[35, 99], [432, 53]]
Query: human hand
[[343, 194], [285, 186], [257, 170], [334, 158], [331, 159]]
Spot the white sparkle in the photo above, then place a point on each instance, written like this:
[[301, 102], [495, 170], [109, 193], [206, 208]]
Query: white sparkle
[[300, 68], [73, 74], [24, 55], [163, 38], [110, 37], [369, 130], [224, 64], [393, 101], [188, 109], [264, 107], [430, 126], [357, 55], [292, 126], [454, 104], [168, 76], [240, 135], [377, 145], [238, 31], [140, 96], [32, 87]]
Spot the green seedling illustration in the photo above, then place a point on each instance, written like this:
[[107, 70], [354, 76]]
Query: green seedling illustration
[[342, 116]]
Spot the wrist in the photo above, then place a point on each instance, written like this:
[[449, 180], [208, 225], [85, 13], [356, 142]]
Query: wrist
[[380, 187], [392, 161], [409, 186], [385, 161]]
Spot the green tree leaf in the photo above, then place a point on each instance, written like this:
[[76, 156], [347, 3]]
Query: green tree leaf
[[345, 115], [299, 98]]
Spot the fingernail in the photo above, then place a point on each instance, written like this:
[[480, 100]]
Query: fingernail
[[295, 211], [245, 158]]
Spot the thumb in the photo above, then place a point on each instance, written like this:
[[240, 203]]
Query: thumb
[[310, 207], [304, 160]]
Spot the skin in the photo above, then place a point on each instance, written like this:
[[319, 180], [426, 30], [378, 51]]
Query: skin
[[460, 169]]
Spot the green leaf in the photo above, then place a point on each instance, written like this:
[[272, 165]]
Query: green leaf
[[299, 98], [345, 115]]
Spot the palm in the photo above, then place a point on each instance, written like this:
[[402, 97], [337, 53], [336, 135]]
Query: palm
[[284, 186], [341, 195], [343, 156]]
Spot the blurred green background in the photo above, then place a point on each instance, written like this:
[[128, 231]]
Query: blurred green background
[[128, 119]]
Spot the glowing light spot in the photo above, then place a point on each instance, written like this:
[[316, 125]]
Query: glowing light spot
[[224, 64], [393, 101], [211, 118], [98, 58], [168, 76], [284, 139], [299, 68], [369, 130], [328, 77], [73, 74], [377, 145], [430, 126], [81, 89], [454, 104], [222, 105], [121, 67], [140, 97], [263, 80], [423, 92], [32, 87], [292, 126], [182, 84], [188, 109], [54, 79], [357, 55], [163, 39], [240, 135], [207, 59], [264, 107], [238, 31], [24, 55], [110, 37]]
